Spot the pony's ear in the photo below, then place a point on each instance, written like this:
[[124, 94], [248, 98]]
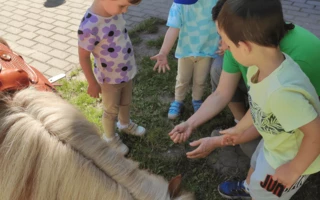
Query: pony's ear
[[174, 187], [3, 41]]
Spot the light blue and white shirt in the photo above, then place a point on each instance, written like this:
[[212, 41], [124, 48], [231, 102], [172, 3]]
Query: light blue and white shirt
[[198, 34]]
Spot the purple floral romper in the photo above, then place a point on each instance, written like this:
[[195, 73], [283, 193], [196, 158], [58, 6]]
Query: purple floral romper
[[107, 39]]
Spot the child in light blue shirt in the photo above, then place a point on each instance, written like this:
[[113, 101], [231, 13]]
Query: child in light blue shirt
[[198, 41]]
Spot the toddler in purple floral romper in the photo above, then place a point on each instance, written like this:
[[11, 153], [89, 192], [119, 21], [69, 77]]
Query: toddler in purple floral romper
[[102, 32]]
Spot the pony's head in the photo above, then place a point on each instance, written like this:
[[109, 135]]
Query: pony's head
[[48, 150]]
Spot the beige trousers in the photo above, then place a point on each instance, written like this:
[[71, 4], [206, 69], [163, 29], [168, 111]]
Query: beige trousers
[[116, 100], [188, 67]]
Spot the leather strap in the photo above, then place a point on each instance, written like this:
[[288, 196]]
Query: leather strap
[[12, 60]]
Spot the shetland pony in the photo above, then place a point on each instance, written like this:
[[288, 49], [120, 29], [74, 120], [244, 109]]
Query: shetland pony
[[49, 151]]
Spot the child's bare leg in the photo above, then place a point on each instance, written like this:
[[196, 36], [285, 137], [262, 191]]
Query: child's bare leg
[[251, 170]]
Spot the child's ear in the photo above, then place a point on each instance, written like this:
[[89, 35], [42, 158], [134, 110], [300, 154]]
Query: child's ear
[[245, 47], [174, 187]]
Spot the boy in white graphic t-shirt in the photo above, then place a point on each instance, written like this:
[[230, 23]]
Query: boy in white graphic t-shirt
[[283, 103]]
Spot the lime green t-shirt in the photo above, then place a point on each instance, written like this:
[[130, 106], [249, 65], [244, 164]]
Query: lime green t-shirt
[[280, 104], [300, 44]]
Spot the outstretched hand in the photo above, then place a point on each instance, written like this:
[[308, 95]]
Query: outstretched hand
[[230, 136], [205, 147], [181, 132], [162, 62], [222, 48]]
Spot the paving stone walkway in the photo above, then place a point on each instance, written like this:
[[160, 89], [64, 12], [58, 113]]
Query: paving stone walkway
[[47, 39]]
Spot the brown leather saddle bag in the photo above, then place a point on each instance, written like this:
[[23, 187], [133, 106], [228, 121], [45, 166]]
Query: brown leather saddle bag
[[16, 74]]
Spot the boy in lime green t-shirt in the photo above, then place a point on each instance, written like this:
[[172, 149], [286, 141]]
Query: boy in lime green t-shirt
[[304, 51], [284, 104]]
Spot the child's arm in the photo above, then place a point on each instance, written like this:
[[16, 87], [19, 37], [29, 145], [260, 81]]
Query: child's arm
[[231, 136], [310, 146], [208, 144], [222, 48], [293, 110], [241, 126], [169, 40], [86, 65], [245, 122], [309, 150]]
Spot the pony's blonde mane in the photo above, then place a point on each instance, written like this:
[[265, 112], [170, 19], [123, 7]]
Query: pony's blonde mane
[[49, 151]]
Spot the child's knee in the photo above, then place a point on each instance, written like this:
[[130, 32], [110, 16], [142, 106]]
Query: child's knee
[[110, 114]]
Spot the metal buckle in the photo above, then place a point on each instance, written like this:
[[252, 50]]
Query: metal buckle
[[5, 57]]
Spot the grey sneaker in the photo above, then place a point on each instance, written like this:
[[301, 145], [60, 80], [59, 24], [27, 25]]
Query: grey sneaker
[[117, 144], [133, 129]]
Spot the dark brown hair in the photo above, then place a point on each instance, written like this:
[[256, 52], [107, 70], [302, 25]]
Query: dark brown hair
[[134, 2], [216, 9], [257, 21]]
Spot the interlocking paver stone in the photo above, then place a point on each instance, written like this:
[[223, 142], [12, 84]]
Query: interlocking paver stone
[[19, 18], [13, 37], [59, 63], [8, 8], [73, 59], [52, 71], [43, 40], [42, 57], [40, 65], [27, 34], [28, 27], [62, 31], [44, 32], [32, 22], [60, 38], [59, 45], [43, 48], [59, 54], [26, 42], [46, 26]]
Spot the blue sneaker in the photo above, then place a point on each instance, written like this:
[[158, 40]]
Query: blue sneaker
[[196, 104], [233, 190], [175, 109]]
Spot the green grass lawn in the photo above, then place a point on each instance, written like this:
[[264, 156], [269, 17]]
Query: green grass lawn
[[151, 97]]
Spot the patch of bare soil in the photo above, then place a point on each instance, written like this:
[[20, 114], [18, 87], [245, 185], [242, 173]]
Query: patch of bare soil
[[142, 49]]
